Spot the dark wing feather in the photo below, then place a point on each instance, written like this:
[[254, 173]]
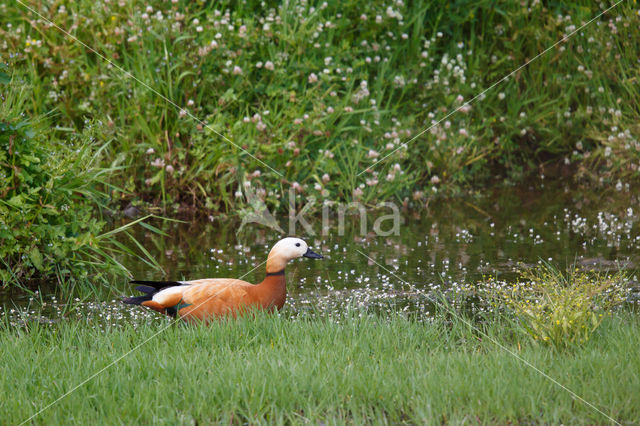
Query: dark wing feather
[[157, 284]]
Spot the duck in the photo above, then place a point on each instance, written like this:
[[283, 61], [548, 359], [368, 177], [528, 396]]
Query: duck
[[210, 298]]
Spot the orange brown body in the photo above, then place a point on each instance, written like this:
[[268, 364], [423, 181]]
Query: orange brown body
[[205, 299]]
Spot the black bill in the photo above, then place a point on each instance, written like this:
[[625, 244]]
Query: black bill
[[312, 255]]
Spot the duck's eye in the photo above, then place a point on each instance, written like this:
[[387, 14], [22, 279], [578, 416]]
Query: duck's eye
[[297, 244]]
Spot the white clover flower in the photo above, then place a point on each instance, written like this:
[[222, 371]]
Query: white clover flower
[[463, 132], [269, 65], [326, 178], [373, 154], [237, 70], [199, 28], [313, 78], [501, 95], [435, 179]]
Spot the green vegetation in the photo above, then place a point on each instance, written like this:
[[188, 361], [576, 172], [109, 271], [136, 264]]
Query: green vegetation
[[320, 91], [561, 308], [52, 191], [276, 370], [204, 104]]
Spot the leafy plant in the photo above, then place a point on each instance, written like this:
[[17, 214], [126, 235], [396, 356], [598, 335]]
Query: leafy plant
[[51, 194], [558, 308]]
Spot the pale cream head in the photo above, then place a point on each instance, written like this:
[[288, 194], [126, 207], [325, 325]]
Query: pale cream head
[[288, 249]]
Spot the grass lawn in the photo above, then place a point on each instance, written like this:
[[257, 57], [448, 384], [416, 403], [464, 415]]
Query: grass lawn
[[275, 370]]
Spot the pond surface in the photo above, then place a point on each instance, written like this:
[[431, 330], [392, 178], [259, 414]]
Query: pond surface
[[450, 243]]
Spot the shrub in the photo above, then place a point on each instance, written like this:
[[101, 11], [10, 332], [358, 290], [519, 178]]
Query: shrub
[[51, 191], [561, 309]]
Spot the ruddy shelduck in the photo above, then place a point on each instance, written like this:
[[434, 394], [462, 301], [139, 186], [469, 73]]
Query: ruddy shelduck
[[209, 298]]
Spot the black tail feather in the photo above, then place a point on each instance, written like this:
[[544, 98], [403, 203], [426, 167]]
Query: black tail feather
[[148, 287], [136, 300]]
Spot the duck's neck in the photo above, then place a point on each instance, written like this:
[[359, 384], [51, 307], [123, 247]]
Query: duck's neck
[[273, 289]]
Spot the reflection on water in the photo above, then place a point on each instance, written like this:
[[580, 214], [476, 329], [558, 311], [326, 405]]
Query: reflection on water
[[452, 242]]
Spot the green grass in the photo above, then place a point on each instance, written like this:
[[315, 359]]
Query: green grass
[[577, 105], [275, 370]]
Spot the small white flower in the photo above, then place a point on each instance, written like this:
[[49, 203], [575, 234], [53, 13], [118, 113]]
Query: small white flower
[[237, 70], [313, 78], [269, 65]]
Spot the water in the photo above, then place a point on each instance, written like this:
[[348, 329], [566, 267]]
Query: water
[[452, 242]]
